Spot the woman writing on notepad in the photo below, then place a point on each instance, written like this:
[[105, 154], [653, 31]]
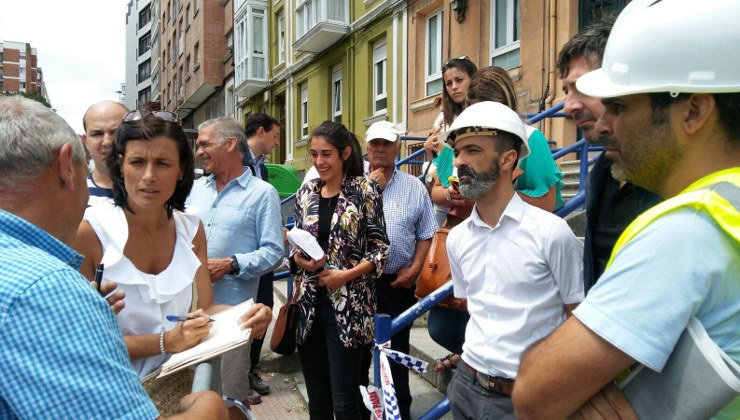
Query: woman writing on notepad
[[343, 210], [150, 247]]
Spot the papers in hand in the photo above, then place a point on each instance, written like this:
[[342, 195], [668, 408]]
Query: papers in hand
[[225, 335], [697, 381], [306, 242]]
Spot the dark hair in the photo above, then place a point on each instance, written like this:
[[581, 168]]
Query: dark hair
[[591, 41], [148, 128], [728, 108], [338, 136], [493, 84], [506, 141], [450, 109], [255, 121]]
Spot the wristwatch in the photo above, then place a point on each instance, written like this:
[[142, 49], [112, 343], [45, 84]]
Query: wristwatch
[[234, 266]]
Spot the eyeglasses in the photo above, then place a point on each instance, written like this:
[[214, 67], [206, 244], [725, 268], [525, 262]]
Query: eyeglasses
[[462, 57], [167, 116]]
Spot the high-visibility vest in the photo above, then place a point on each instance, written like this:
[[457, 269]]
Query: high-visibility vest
[[717, 195]]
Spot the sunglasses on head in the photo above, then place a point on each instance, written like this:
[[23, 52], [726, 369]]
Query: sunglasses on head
[[167, 116], [462, 57]]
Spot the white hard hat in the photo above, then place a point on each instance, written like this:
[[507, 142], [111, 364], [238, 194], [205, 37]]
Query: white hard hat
[[483, 119], [382, 130], [670, 46]]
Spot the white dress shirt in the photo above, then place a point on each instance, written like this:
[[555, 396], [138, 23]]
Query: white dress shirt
[[517, 276]]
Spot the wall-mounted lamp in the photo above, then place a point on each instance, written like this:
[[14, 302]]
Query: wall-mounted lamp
[[459, 7]]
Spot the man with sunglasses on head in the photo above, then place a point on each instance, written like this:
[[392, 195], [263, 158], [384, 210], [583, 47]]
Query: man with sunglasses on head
[[243, 225], [100, 123]]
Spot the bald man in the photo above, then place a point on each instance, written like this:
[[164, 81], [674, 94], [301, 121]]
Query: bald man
[[100, 123]]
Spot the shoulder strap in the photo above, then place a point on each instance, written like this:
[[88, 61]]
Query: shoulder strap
[[194, 300]]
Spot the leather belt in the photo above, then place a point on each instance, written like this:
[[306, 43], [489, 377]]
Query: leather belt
[[492, 383]]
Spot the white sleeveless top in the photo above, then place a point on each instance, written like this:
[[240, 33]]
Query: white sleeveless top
[[149, 297]]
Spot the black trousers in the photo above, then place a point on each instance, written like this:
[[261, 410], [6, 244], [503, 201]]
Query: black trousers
[[332, 371], [264, 295], [393, 301]]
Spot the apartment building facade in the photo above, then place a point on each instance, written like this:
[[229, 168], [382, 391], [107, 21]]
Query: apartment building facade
[[337, 60], [18, 69], [141, 36], [195, 65], [524, 37]]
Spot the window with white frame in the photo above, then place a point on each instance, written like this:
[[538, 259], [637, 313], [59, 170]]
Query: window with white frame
[[380, 64], [505, 33], [304, 111], [259, 44], [433, 53], [336, 94], [281, 37], [250, 51]]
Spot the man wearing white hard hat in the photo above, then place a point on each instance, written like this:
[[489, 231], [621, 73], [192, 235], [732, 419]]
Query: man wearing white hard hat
[[410, 225], [519, 266], [671, 89]]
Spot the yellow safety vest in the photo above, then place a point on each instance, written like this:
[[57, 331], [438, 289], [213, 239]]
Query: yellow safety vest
[[717, 195]]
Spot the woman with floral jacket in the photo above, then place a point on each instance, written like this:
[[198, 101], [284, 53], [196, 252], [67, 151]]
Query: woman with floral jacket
[[344, 211]]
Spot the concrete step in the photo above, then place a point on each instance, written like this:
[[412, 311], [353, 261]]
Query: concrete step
[[426, 389]]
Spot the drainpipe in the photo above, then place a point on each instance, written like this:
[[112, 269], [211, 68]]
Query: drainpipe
[[551, 68]]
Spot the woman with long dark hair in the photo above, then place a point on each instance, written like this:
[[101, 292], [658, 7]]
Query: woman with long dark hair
[[456, 76], [153, 248], [344, 211]]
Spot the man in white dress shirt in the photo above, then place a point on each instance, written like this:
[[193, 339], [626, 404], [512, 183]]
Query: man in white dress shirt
[[520, 267]]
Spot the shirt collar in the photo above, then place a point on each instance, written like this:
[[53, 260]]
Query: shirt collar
[[514, 211], [34, 236], [242, 180]]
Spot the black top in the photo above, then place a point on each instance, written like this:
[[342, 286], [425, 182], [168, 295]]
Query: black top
[[609, 210], [326, 211]]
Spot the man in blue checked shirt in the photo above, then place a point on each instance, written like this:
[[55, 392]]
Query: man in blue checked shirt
[[62, 355], [410, 225]]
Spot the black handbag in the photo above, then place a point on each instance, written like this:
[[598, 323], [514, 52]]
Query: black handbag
[[283, 339]]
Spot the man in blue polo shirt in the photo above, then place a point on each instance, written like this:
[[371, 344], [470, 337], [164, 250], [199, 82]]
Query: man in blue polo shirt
[[62, 354]]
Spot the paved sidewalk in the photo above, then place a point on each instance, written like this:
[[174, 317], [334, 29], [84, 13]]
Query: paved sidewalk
[[283, 373]]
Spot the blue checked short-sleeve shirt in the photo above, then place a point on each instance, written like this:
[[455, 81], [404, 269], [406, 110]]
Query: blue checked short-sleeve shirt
[[62, 354], [409, 217]]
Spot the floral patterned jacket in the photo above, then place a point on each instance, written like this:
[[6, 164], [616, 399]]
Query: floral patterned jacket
[[357, 232]]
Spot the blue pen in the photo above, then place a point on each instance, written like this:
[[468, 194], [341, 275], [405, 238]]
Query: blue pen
[[175, 318]]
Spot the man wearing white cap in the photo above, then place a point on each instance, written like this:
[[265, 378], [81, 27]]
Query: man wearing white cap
[[519, 266], [410, 225], [672, 96]]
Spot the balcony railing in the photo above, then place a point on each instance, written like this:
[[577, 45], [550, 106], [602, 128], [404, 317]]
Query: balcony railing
[[320, 23]]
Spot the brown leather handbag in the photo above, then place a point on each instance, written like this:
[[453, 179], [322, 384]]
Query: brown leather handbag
[[283, 340], [436, 271]]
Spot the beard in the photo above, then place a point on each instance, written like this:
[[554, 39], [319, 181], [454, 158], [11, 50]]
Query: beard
[[477, 183]]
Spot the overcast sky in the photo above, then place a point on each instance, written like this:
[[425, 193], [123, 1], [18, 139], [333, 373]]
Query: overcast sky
[[80, 46]]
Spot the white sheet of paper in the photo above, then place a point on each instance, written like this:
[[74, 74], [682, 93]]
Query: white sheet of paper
[[306, 242], [225, 335]]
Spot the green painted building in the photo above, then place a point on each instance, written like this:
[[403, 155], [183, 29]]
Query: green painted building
[[341, 60]]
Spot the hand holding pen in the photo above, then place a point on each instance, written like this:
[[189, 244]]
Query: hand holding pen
[[190, 330], [109, 290]]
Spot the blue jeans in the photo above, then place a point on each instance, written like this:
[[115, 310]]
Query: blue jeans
[[470, 401], [447, 328], [332, 371]]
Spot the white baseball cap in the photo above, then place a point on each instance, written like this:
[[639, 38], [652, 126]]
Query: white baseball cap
[[382, 130], [484, 119]]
